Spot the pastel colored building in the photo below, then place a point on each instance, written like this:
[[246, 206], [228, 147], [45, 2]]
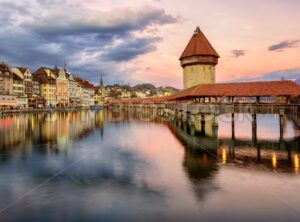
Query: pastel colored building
[[75, 91], [18, 83], [88, 92], [36, 91], [47, 80], [6, 79], [7, 101], [27, 78], [99, 96], [62, 87], [100, 93]]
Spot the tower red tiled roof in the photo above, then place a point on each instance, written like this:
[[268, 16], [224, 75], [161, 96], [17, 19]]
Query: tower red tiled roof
[[199, 46]]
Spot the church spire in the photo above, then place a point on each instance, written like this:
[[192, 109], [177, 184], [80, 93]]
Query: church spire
[[101, 82]]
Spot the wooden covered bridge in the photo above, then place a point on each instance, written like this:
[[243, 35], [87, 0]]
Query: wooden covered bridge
[[190, 105], [278, 92]]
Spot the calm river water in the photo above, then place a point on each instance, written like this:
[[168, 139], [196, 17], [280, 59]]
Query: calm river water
[[113, 166]]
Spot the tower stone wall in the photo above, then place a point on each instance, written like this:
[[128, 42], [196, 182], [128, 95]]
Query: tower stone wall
[[198, 74]]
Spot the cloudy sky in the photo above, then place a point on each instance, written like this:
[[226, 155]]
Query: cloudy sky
[[131, 41]]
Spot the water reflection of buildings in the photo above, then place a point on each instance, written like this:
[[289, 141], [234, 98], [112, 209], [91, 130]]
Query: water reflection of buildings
[[53, 129]]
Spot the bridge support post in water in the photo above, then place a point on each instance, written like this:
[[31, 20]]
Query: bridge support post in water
[[232, 127], [254, 136], [281, 131], [191, 119], [254, 128], [202, 122], [191, 122], [161, 112], [184, 116], [215, 126], [215, 121]]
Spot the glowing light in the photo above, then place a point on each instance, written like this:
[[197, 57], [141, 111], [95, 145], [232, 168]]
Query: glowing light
[[224, 156], [274, 160], [296, 163]]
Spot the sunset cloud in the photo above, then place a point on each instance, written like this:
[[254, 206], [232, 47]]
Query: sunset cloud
[[284, 45], [238, 52]]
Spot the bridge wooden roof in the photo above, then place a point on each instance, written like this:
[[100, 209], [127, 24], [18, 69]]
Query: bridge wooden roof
[[242, 89], [199, 46]]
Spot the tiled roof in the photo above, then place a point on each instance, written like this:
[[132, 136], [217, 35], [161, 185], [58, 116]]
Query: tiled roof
[[5, 68], [84, 83], [199, 46], [41, 75], [242, 89], [22, 69]]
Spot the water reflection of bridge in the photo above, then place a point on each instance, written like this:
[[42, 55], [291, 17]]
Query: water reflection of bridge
[[281, 154]]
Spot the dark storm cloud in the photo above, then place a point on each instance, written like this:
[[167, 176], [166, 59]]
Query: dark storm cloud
[[45, 33], [114, 23], [283, 45], [238, 52], [130, 49]]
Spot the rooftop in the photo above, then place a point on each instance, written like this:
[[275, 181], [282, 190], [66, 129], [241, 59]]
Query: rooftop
[[199, 46], [243, 89]]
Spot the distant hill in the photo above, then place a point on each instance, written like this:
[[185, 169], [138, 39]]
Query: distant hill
[[172, 89], [146, 86]]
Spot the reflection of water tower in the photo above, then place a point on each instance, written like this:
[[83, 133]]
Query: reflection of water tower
[[200, 168], [198, 61]]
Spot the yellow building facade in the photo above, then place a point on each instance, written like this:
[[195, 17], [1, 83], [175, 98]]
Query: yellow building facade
[[99, 96], [48, 92], [47, 80], [62, 87]]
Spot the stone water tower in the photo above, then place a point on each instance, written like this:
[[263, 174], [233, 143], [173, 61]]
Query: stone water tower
[[198, 61]]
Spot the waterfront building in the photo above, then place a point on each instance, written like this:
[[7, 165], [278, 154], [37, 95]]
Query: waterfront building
[[7, 101], [18, 83], [36, 91], [36, 100], [198, 61], [99, 96], [100, 93], [21, 102], [62, 87], [19, 89], [6, 80], [47, 81], [75, 91], [88, 92], [26, 75]]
